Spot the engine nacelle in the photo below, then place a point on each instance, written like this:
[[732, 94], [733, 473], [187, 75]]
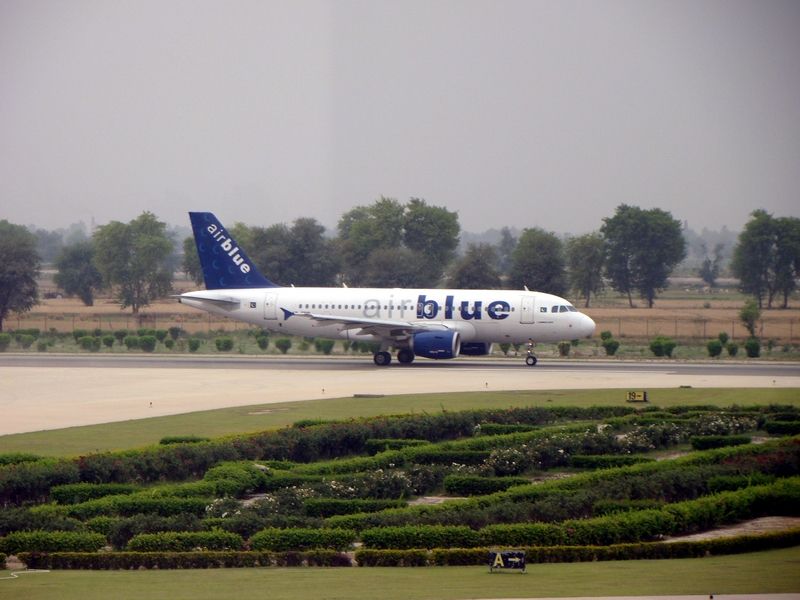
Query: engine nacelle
[[436, 344], [476, 348]]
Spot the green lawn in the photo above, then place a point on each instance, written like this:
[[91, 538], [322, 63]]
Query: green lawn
[[775, 571], [214, 423]]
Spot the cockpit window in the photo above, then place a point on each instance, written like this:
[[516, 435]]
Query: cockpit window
[[554, 309], [563, 308], [571, 308]]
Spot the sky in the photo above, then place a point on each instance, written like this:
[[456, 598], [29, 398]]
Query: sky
[[535, 113]]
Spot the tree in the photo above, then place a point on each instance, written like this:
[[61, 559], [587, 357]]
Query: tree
[[135, 258], [77, 274], [19, 268], [190, 263], [749, 315], [476, 270], [538, 262], [766, 258], [709, 270], [505, 250], [585, 258], [427, 236], [642, 248]]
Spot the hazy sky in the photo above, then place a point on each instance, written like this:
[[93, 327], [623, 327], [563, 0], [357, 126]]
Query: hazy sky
[[533, 113]]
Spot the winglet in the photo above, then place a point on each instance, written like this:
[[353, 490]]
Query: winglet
[[225, 265]]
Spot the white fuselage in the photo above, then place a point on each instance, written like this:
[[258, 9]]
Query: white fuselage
[[477, 315]]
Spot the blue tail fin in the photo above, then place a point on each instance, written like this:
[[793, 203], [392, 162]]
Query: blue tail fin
[[224, 264]]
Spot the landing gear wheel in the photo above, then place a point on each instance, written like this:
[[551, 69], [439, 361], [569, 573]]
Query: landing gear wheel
[[382, 359], [405, 356], [531, 360]]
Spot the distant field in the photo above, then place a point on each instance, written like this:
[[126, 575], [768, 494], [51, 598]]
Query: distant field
[[775, 571], [215, 423]]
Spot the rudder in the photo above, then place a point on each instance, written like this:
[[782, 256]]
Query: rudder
[[225, 265]]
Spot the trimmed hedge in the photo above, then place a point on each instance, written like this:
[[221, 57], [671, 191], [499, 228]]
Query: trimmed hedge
[[51, 541], [473, 485], [182, 560], [606, 461], [563, 554], [13, 458], [328, 507], [420, 536], [76, 493], [782, 427], [185, 541], [374, 446], [707, 442], [137, 504], [302, 539]]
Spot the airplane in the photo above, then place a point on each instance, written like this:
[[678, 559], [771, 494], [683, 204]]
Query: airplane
[[431, 323]]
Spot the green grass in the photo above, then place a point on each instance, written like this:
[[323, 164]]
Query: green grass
[[775, 571], [215, 423]]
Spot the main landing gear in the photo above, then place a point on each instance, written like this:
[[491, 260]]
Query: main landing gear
[[405, 356]]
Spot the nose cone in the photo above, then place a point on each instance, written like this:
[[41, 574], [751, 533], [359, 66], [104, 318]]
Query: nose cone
[[586, 326]]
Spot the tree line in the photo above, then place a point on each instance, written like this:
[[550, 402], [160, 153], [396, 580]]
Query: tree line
[[393, 244]]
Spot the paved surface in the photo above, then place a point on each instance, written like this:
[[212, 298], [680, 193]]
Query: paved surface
[[53, 391], [701, 597]]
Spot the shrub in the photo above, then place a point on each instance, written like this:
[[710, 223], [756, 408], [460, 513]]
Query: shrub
[[148, 343], [328, 507], [194, 344], [161, 334], [51, 541], [605, 335], [393, 558], [120, 335], [564, 348], [302, 539], [25, 340], [420, 536], [75, 493], [662, 346], [181, 439], [175, 332], [108, 341], [605, 461], [752, 347], [262, 341], [732, 348], [471, 485], [79, 333], [324, 346], [283, 344], [185, 541], [782, 427], [89, 343], [5, 341], [706, 442], [610, 346], [224, 344], [373, 446], [723, 338], [13, 458], [41, 346], [714, 348], [169, 343], [131, 342]]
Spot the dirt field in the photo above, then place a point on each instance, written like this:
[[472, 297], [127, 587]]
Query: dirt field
[[677, 318]]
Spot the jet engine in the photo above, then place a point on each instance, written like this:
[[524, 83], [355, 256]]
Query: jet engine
[[436, 344]]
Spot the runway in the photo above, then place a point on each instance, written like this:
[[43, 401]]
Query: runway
[[54, 391]]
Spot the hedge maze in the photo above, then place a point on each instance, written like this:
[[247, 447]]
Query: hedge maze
[[564, 484]]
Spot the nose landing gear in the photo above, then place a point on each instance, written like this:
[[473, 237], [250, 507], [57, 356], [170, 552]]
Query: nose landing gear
[[531, 360]]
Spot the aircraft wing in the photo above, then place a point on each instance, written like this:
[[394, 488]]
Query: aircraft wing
[[387, 328]]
